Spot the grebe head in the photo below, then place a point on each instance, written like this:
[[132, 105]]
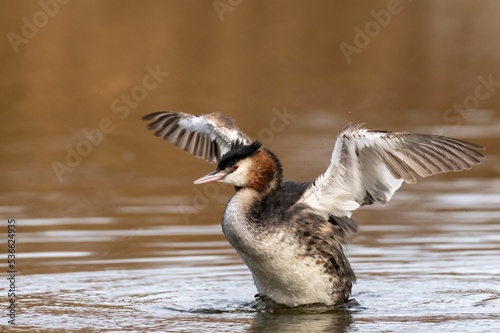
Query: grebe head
[[247, 166]]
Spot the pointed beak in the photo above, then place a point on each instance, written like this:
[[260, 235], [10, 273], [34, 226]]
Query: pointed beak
[[211, 177]]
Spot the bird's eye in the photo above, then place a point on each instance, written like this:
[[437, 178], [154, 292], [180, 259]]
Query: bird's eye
[[235, 167]]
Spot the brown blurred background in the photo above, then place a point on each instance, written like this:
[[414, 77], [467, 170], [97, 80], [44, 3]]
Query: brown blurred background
[[112, 232], [67, 66]]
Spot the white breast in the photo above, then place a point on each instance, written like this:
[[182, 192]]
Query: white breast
[[280, 267]]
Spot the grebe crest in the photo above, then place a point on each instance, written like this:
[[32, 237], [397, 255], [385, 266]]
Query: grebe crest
[[247, 166]]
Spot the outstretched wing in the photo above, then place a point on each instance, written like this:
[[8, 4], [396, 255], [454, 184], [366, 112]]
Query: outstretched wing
[[207, 136], [369, 166]]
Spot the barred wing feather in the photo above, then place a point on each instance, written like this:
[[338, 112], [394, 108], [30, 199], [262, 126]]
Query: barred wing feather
[[369, 166], [207, 136]]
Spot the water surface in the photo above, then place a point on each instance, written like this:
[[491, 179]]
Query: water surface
[[123, 241]]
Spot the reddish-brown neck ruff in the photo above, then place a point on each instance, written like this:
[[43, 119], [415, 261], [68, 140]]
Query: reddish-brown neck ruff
[[266, 172]]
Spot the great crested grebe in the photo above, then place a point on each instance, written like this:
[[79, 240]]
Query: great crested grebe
[[290, 234]]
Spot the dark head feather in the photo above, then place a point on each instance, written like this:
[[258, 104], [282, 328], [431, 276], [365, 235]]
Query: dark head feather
[[238, 152]]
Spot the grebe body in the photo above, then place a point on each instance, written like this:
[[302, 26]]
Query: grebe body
[[291, 234]]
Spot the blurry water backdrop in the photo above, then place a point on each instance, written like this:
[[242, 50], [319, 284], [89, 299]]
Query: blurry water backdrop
[[112, 235]]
